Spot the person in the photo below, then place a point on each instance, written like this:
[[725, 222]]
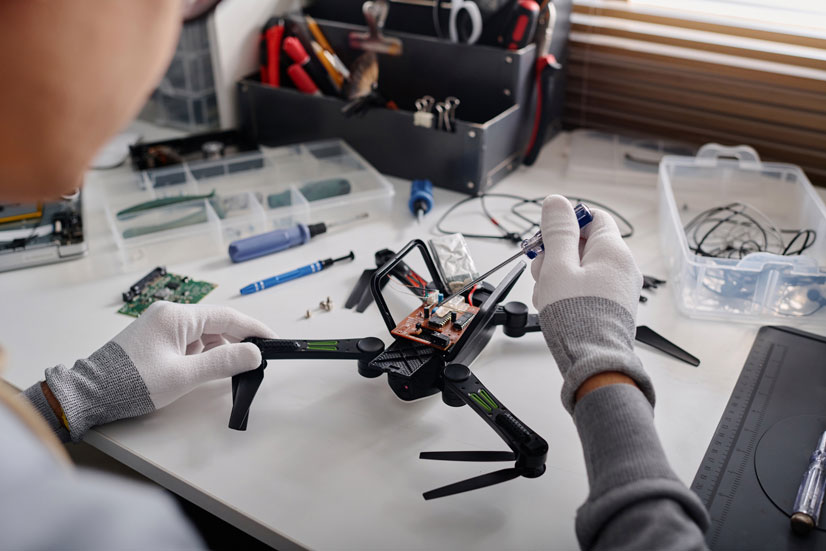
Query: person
[[75, 73]]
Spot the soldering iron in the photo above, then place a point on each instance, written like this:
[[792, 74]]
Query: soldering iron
[[530, 247]]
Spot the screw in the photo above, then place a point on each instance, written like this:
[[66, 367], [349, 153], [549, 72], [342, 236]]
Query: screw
[[471, 185], [507, 91], [308, 315], [471, 134], [508, 59]]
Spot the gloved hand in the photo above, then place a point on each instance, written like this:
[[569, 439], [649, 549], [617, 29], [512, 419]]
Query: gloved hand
[[587, 294], [158, 358]]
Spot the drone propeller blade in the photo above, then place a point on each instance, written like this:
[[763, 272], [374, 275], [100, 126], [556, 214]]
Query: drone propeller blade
[[469, 456], [362, 287], [244, 387], [481, 481]]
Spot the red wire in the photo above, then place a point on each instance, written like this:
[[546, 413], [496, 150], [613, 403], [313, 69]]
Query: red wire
[[470, 295]]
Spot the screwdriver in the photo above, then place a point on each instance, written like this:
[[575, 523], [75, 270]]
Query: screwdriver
[[529, 247], [421, 198], [809, 499], [278, 240], [294, 274]]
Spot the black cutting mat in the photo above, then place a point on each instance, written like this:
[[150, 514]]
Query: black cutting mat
[[771, 424]]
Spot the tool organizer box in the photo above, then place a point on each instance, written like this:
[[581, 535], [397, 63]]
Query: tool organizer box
[[254, 191], [492, 126]]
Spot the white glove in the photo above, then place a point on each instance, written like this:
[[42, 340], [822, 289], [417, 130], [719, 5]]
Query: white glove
[[587, 290], [158, 358], [592, 262], [176, 347]]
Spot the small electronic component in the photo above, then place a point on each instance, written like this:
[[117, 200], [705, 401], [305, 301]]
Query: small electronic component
[[437, 339], [436, 320], [461, 322], [161, 285]]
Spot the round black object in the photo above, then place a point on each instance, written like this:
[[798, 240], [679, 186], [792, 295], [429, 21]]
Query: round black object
[[782, 456], [456, 373], [516, 318], [371, 347]]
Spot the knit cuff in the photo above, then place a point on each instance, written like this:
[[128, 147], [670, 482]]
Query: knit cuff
[[588, 336], [624, 460], [100, 389], [34, 394]]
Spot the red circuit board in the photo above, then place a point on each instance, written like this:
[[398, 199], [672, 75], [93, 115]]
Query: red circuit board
[[406, 329]]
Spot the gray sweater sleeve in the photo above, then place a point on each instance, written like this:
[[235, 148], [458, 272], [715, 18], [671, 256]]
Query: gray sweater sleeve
[[635, 501], [99, 389]]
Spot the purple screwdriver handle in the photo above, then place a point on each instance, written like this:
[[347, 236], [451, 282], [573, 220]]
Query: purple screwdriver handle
[[534, 245]]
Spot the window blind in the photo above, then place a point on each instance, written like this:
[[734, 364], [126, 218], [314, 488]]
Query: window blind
[[700, 76]]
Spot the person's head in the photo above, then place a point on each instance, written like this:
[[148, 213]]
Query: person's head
[[73, 74]]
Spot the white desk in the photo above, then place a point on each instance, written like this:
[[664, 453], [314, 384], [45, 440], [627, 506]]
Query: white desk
[[330, 459]]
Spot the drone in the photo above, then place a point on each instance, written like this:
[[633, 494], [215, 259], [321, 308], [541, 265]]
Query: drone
[[430, 354]]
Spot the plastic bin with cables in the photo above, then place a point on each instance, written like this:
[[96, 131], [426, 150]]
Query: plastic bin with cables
[[744, 240]]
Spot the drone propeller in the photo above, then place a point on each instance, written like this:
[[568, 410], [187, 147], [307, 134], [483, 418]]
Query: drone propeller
[[469, 456], [481, 481]]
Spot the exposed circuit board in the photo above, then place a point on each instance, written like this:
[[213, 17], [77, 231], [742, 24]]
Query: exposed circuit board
[[440, 327], [161, 285]]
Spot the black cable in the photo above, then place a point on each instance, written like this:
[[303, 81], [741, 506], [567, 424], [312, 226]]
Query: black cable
[[703, 231], [577, 199], [513, 236]]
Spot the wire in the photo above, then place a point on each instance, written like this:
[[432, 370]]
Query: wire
[[738, 229], [518, 236]]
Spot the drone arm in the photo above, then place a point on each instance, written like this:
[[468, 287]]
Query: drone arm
[[245, 385], [343, 349], [461, 386]]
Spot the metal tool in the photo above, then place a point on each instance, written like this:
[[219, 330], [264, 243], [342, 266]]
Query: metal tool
[[134, 210], [295, 274], [442, 122], [421, 198], [529, 247], [375, 13], [269, 55], [546, 67], [452, 102], [424, 112], [809, 499], [281, 239], [473, 15], [521, 25]]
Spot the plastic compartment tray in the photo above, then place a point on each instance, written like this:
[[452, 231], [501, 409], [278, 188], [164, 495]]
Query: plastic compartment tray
[[761, 287], [254, 192]]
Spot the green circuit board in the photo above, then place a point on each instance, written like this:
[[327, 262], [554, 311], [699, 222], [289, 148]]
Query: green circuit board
[[160, 285]]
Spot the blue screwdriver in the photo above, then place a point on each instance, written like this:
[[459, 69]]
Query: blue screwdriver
[[421, 198], [278, 240], [529, 247], [295, 274]]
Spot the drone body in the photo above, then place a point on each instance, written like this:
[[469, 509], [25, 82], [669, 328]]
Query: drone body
[[430, 353]]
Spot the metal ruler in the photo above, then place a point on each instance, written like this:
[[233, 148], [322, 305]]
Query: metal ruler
[[784, 376]]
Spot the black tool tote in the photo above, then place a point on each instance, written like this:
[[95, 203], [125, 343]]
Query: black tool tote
[[493, 121]]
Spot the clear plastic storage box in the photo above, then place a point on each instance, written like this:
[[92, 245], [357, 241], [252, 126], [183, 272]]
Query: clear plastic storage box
[[759, 287], [239, 196], [185, 97]]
